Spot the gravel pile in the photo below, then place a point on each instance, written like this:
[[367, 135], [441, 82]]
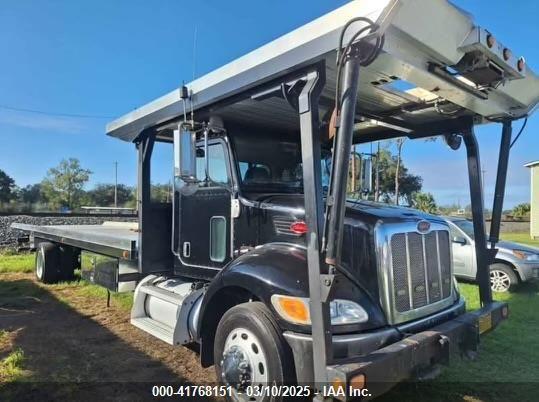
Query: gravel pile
[[8, 236]]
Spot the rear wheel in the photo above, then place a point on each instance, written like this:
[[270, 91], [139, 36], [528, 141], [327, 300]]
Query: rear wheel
[[250, 352], [502, 278], [56, 262], [48, 263], [69, 261]]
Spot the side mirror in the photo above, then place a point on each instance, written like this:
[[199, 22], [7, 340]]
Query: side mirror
[[460, 240], [185, 155], [366, 175]]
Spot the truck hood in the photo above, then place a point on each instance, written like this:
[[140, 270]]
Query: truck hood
[[367, 211]]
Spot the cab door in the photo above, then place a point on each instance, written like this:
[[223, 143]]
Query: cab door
[[203, 226]]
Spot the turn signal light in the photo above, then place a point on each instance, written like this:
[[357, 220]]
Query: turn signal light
[[298, 227], [293, 309], [357, 381]]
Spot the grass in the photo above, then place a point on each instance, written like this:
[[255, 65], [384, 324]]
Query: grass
[[506, 367], [11, 367], [24, 263], [523, 238], [16, 262], [507, 364]]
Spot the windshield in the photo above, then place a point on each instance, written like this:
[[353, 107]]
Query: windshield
[[465, 226], [273, 165]]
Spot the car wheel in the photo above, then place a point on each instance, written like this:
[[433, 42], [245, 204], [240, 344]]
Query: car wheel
[[48, 263], [502, 278], [250, 352]]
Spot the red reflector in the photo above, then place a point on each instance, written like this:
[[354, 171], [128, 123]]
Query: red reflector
[[299, 227]]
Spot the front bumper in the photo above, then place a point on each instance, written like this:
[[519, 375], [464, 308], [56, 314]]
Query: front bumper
[[528, 271], [402, 358]]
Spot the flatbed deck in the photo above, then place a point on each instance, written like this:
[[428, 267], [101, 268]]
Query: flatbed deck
[[110, 239]]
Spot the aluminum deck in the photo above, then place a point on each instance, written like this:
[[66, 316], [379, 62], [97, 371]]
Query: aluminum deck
[[418, 35], [110, 239]]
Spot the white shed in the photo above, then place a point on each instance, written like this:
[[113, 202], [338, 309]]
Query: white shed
[[534, 200]]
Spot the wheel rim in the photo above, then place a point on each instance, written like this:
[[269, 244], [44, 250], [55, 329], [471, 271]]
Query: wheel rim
[[243, 363], [499, 281], [39, 265]]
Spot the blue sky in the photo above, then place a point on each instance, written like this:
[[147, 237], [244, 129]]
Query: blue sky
[[104, 58]]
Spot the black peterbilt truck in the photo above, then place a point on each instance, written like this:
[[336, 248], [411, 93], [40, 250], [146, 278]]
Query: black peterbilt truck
[[261, 258]]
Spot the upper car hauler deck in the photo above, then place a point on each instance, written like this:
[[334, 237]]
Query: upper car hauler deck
[[251, 262]]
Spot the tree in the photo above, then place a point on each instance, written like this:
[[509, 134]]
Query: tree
[[7, 187], [425, 202], [387, 168], [161, 192], [400, 144], [31, 194], [522, 210], [63, 185], [103, 195]]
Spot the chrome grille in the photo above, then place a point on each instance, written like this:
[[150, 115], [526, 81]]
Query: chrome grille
[[421, 268], [400, 272]]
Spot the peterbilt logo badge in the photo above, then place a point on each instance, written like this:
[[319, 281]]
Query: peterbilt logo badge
[[423, 227]]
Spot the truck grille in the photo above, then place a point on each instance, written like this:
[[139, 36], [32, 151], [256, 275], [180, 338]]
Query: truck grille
[[421, 268]]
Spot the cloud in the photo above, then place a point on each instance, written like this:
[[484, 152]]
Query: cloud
[[44, 122]]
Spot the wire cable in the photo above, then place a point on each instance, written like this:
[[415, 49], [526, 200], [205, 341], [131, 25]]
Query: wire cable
[[82, 116], [520, 132]]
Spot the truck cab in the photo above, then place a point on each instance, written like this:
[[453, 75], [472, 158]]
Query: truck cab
[[241, 231]]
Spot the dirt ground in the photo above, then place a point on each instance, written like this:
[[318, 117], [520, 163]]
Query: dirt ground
[[77, 348]]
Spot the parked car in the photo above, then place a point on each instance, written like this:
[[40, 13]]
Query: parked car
[[514, 262]]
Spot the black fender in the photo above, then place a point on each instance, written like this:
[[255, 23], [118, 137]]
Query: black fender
[[274, 268]]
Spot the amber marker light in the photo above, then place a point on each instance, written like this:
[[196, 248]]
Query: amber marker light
[[338, 385], [357, 381], [292, 309]]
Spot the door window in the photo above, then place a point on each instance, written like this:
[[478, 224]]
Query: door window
[[217, 238], [217, 169]]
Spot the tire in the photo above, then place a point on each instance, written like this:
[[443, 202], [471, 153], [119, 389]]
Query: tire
[[502, 278], [48, 263], [69, 261], [249, 349]]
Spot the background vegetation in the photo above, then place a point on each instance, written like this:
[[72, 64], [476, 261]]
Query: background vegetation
[[64, 188]]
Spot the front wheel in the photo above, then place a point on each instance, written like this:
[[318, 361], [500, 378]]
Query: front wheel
[[502, 278], [250, 352]]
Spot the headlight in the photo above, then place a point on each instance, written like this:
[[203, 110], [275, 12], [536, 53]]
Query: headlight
[[296, 310], [346, 312], [526, 255]]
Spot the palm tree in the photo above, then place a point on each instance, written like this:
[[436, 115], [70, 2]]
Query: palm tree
[[425, 202]]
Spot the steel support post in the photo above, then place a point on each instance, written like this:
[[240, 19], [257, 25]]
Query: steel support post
[[314, 215], [341, 157], [482, 253], [145, 149], [501, 176]]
